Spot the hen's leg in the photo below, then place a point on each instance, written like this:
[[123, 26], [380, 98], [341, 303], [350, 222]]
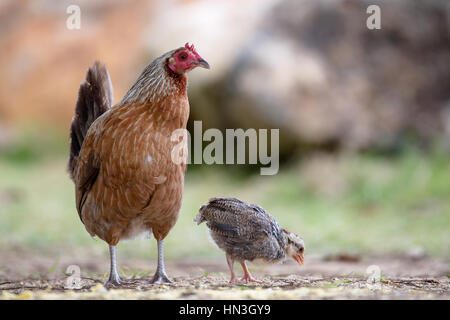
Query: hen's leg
[[160, 274], [114, 279], [230, 262], [247, 276]]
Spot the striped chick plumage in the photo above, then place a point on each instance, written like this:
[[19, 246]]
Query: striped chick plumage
[[247, 232]]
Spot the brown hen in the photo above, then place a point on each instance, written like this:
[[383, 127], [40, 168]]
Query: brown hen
[[126, 182]]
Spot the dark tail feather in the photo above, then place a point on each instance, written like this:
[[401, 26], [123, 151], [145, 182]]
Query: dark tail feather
[[94, 98]]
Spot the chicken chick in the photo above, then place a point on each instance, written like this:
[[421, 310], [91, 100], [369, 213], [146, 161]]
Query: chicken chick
[[247, 232]]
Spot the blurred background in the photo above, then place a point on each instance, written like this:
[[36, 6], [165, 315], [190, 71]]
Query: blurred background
[[364, 118]]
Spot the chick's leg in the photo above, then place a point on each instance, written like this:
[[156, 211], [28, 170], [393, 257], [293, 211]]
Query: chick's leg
[[247, 276], [230, 262], [114, 279], [160, 274]]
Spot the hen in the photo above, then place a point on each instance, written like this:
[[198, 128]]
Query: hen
[[247, 232], [120, 157]]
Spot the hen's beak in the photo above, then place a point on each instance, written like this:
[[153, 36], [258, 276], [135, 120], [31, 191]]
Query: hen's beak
[[299, 258], [202, 63]]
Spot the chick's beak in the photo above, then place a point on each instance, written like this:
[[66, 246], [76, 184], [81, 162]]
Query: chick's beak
[[299, 258], [202, 63]]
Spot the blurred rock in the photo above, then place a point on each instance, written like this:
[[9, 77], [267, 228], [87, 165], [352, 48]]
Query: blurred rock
[[42, 62], [217, 28], [313, 69], [308, 67]]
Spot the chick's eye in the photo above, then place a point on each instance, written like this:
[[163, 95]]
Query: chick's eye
[[183, 56]]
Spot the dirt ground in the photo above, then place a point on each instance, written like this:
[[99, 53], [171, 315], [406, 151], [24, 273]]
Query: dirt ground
[[322, 277]]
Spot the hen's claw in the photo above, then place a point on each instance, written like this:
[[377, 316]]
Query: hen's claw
[[160, 278], [113, 282]]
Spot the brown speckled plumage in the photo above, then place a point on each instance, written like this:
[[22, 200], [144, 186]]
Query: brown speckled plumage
[[121, 157], [247, 232], [126, 182]]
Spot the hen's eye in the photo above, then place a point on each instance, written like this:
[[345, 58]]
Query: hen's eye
[[183, 56]]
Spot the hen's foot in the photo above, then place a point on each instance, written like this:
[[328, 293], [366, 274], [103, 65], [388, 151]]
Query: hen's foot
[[113, 282], [160, 278]]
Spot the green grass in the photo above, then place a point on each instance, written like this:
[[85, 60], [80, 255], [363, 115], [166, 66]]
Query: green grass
[[347, 203]]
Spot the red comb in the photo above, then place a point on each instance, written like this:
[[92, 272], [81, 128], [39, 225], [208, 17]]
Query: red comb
[[190, 47]]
